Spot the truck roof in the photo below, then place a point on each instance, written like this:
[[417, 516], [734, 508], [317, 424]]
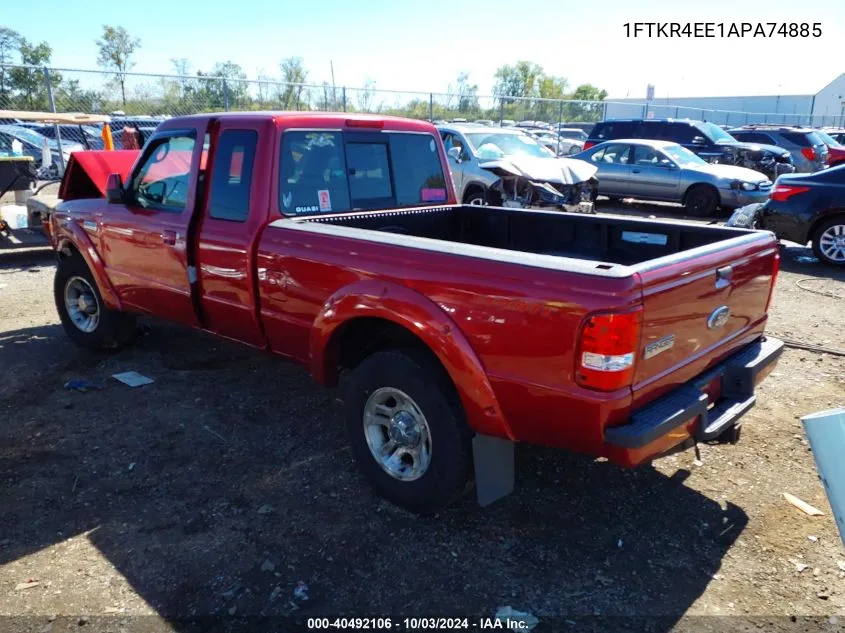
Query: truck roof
[[299, 119]]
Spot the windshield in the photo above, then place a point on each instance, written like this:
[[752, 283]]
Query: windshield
[[717, 134], [27, 136], [828, 139], [683, 156], [492, 146]]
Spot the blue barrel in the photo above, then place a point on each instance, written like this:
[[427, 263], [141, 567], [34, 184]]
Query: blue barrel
[[826, 433]]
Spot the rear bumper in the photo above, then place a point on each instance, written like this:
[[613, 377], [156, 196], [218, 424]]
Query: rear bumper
[[687, 413]]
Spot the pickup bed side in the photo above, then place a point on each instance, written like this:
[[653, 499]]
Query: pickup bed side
[[439, 322]]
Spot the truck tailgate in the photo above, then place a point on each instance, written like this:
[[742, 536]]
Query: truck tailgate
[[700, 308]]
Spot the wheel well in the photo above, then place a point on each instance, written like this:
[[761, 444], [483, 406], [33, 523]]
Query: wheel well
[[67, 249], [814, 228], [473, 188], [701, 185], [358, 338]]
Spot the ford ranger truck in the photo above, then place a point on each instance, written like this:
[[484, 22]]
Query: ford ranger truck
[[454, 331]]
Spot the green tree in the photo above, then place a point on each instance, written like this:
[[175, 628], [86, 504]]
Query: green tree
[[589, 92], [31, 82], [520, 80], [9, 43], [293, 72], [586, 111], [116, 48], [224, 86], [550, 87], [467, 94]]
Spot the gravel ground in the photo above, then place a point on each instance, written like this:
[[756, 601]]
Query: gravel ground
[[218, 488]]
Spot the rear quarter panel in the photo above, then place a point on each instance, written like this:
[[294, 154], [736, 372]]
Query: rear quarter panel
[[521, 321]]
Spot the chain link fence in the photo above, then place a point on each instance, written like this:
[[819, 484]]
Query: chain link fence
[[138, 94]]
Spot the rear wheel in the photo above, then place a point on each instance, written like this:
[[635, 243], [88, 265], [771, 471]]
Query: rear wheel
[[829, 242], [86, 319], [701, 201], [407, 430]]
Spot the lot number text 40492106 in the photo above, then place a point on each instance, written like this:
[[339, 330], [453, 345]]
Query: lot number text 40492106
[[723, 29]]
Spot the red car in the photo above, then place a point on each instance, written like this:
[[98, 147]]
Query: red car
[[334, 241], [835, 149]]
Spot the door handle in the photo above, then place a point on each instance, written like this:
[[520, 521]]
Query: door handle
[[723, 276], [635, 171], [168, 237]]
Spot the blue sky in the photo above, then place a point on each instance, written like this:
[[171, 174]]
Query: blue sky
[[423, 45]]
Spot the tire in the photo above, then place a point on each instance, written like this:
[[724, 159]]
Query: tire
[[475, 198], [829, 242], [399, 396], [82, 311], [701, 201]]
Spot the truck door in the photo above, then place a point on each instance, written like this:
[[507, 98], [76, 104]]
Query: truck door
[[145, 238], [236, 207]]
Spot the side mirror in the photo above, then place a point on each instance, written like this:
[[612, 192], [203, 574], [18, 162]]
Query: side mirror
[[114, 189], [698, 140], [455, 154]]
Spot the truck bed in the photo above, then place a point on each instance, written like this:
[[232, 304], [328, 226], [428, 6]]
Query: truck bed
[[604, 240]]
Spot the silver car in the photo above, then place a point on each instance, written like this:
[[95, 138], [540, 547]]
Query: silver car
[[662, 170], [508, 167]]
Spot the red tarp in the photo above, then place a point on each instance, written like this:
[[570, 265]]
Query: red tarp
[[87, 172]]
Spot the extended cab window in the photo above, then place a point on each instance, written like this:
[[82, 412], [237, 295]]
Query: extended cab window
[[231, 176], [331, 171], [162, 181]]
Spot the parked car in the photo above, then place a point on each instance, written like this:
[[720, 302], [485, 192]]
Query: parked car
[[486, 122], [573, 132], [508, 167], [559, 145], [707, 140], [333, 240], [507, 123], [808, 151], [804, 208], [835, 149], [88, 136], [33, 145], [836, 133], [586, 126], [660, 170]]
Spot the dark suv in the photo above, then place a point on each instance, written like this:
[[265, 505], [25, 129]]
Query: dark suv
[[706, 139], [809, 153]]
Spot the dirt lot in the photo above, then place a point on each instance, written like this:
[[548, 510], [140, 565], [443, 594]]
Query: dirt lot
[[215, 490]]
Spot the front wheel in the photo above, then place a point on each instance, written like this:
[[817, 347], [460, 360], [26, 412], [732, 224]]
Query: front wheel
[[407, 430], [476, 199], [829, 242], [86, 319], [701, 201]]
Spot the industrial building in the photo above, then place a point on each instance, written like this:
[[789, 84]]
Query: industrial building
[[825, 108]]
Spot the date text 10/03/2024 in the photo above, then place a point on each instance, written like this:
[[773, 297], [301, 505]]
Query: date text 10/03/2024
[[723, 29], [418, 624]]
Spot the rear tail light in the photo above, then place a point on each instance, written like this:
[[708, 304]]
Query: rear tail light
[[775, 271], [588, 144], [809, 153], [608, 350], [782, 193], [370, 123]]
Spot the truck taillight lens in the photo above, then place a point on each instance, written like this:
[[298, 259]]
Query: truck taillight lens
[[809, 153], [782, 193], [588, 144], [608, 349]]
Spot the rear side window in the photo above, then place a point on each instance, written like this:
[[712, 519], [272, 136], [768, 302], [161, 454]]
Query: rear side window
[[613, 130], [231, 177], [804, 139], [331, 172]]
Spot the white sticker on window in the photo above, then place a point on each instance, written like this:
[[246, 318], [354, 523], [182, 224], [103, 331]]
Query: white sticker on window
[[431, 145], [325, 200]]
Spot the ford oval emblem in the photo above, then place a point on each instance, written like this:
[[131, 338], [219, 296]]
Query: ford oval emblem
[[718, 317]]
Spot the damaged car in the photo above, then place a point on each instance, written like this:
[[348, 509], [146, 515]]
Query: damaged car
[[509, 168], [707, 140]]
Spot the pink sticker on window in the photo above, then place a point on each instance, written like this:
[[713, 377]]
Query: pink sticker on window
[[433, 195], [325, 200]]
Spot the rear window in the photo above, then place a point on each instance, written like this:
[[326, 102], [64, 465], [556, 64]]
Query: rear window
[[331, 172], [805, 139], [616, 129]]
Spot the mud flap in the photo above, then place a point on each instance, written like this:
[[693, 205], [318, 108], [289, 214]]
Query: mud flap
[[494, 468]]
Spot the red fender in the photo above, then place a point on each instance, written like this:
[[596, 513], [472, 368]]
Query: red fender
[[422, 317], [66, 231]]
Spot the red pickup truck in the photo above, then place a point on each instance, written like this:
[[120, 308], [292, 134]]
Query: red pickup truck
[[334, 241]]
